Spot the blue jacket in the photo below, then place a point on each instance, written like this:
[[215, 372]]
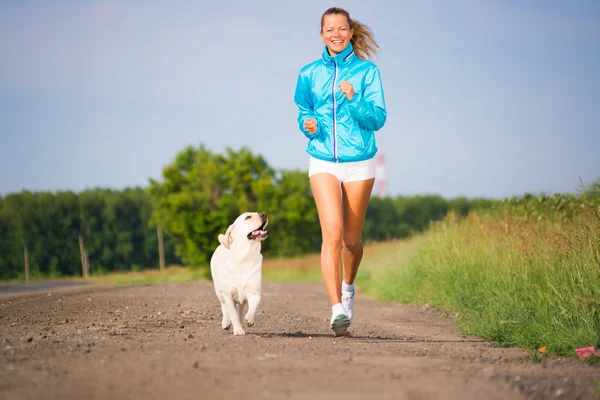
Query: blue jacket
[[345, 128]]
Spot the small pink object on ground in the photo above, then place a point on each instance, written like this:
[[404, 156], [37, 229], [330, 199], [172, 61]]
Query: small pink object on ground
[[585, 352]]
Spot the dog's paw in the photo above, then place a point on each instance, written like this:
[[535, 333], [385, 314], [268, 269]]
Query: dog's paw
[[249, 323], [239, 332], [225, 325]]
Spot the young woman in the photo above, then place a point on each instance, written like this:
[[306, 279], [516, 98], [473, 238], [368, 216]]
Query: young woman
[[341, 104]]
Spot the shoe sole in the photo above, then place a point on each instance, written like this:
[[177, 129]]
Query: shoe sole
[[340, 325]]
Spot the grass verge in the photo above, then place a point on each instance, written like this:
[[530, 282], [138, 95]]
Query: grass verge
[[518, 281], [302, 269], [172, 274]]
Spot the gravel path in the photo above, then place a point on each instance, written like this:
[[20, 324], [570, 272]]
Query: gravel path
[[165, 342]]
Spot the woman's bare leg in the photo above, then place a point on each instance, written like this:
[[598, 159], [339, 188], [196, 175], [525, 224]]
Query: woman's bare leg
[[356, 197], [328, 198]]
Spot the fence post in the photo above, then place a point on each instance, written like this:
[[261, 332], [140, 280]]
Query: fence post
[[161, 249], [26, 254], [82, 252]]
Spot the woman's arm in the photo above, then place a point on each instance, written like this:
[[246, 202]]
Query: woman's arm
[[305, 105], [368, 107]]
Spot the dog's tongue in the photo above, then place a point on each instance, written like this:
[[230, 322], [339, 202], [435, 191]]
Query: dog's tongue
[[258, 232]]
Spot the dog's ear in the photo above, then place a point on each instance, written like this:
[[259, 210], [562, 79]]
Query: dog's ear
[[226, 239]]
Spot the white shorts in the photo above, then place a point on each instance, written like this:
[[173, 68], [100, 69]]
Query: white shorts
[[344, 172]]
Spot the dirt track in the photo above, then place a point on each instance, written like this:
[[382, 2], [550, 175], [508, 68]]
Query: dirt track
[[165, 341]]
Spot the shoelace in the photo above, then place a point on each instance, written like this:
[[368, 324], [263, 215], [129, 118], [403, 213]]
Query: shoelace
[[346, 296]]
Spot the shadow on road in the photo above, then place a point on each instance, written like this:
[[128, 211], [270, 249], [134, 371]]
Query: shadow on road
[[373, 339]]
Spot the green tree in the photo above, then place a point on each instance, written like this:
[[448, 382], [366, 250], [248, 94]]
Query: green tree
[[593, 190], [11, 245], [383, 221], [202, 193], [93, 229], [293, 217]]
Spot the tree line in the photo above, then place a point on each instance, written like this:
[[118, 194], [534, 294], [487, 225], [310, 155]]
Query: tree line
[[199, 195], [46, 228]]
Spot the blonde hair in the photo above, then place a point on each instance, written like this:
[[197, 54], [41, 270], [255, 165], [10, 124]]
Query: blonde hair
[[363, 39]]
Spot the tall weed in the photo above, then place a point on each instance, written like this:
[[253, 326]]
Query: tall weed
[[525, 274]]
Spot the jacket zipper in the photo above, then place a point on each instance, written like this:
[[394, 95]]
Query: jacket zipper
[[334, 113]]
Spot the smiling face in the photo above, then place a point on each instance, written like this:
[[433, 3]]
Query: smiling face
[[335, 33]]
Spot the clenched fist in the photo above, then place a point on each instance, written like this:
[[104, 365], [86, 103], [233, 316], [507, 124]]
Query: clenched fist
[[310, 125], [347, 89]]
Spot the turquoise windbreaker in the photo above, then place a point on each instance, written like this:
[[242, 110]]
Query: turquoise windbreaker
[[345, 128]]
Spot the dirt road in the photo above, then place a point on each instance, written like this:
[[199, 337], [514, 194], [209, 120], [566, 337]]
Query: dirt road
[[165, 342], [9, 289]]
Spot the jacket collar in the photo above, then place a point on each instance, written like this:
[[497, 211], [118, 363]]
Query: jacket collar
[[345, 57]]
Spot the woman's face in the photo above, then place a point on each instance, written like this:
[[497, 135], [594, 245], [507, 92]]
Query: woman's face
[[336, 33]]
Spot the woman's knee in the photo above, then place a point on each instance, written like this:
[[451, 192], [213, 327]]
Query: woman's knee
[[333, 240], [352, 245]]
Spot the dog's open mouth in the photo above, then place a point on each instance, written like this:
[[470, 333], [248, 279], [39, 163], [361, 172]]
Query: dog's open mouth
[[260, 233]]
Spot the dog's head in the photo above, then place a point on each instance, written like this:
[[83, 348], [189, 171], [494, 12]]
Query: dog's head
[[248, 227]]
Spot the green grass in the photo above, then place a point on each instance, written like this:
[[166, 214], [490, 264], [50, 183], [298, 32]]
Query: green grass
[[522, 282], [302, 269], [285, 273], [169, 275]]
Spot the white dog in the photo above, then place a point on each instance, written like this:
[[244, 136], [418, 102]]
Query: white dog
[[236, 268]]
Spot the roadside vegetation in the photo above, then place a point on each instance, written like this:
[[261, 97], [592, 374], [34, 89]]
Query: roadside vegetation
[[526, 273]]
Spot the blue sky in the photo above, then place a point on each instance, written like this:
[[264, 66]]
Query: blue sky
[[485, 98]]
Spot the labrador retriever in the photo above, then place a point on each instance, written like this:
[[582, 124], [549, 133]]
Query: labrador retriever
[[236, 267]]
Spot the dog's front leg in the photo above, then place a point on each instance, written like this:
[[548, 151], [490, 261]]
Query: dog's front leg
[[240, 310], [233, 314], [253, 303], [226, 322]]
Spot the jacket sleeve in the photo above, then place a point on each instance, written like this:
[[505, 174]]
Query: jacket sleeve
[[368, 107], [305, 105]]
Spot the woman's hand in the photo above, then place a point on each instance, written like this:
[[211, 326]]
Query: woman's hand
[[347, 89], [310, 125]]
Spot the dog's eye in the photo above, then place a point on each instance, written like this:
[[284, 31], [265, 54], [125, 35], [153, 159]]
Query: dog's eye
[[248, 217]]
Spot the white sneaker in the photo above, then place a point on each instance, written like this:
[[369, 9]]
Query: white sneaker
[[340, 324], [348, 303]]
